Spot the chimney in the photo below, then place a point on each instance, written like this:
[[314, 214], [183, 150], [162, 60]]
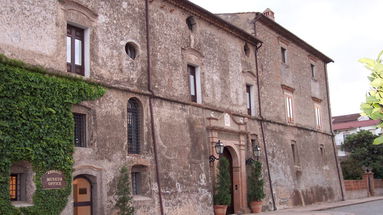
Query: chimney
[[269, 13]]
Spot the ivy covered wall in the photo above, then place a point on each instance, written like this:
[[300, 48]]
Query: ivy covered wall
[[36, 125]]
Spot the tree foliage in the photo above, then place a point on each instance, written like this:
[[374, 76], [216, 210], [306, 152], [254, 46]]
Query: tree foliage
[[124, 197], [363, 153], [373, 107], [36, 125], [255, 182], [222, 194]]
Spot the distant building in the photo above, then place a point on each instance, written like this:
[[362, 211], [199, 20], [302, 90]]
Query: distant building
[[350, 124]]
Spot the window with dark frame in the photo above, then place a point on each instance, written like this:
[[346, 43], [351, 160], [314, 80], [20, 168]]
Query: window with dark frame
[[13, 187], [192, 83], [313, 75], [133, 127], [75, 50], [79, 129], [248, 99], [136, 183], [283, 53], [294, 150]]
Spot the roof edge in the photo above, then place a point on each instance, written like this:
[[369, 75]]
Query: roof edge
[[215, 20], [286, 33]]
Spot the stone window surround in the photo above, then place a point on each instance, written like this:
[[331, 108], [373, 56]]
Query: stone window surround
[[86, 47], [288, 100], [197, 82], [82, 109], [252, 98], [27, 186], [82, 17]]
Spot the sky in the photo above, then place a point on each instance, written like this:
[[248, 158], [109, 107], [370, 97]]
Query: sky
[[344, 30]]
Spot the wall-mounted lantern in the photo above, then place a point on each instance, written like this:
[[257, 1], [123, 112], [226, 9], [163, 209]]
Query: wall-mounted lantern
[[256, 153], [218, 149]]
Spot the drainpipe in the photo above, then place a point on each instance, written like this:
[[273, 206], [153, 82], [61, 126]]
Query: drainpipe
[[151, 106], [260, 115], [332, 136]]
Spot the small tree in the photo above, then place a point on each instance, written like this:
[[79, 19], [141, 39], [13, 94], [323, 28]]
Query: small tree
[[255, 183], [373, 107], [222, 194], [124, 198], [362, 153]]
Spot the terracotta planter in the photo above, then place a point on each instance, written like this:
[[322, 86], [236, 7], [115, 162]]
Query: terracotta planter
[[220, 209], [256, 207]]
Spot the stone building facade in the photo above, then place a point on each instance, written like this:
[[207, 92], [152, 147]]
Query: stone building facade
[[179, 79]]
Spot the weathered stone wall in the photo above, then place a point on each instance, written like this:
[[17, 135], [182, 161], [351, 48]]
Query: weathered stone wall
[[315, 177], [35, 32]]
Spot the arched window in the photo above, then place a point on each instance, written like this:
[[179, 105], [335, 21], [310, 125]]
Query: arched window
[[133, 126]]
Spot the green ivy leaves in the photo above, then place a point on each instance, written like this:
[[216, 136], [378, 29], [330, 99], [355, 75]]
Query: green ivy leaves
[[36, 125]]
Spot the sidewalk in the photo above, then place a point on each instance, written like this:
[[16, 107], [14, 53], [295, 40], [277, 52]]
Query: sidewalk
[[318, 208]]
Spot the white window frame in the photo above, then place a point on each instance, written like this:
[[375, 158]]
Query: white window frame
[[289, 106], [318, 115], [197, 82], [252, 99], [86, 47]]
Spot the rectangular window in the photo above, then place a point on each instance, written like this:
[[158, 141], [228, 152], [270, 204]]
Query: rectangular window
[[13, 187], [194, 84], [136, 183], [289, 106], [284, 55], [248, 99], [79, 129], [75, 50], [318, 117], [313, 75], [294, 150]]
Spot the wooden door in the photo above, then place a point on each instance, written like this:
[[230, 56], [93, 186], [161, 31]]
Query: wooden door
[[82, 196], [226, 154]]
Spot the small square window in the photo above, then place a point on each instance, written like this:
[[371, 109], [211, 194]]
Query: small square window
[[79, 129]]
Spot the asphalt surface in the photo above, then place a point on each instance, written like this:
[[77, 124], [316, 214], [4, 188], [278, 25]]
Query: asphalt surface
[[368, 208]]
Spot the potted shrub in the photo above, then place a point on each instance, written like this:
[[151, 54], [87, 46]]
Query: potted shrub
[[255, 192], [222, 196]]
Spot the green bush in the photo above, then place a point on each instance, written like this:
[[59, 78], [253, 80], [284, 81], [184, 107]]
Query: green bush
[[36, 125], [362, 152], [351, 169], [255, 183], [222, 194], [124, 198]]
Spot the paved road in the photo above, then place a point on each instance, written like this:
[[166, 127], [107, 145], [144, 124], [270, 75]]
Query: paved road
[[369, 208]]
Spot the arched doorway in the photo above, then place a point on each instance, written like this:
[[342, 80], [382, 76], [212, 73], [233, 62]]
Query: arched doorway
[[82, 196], [227, 155]]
